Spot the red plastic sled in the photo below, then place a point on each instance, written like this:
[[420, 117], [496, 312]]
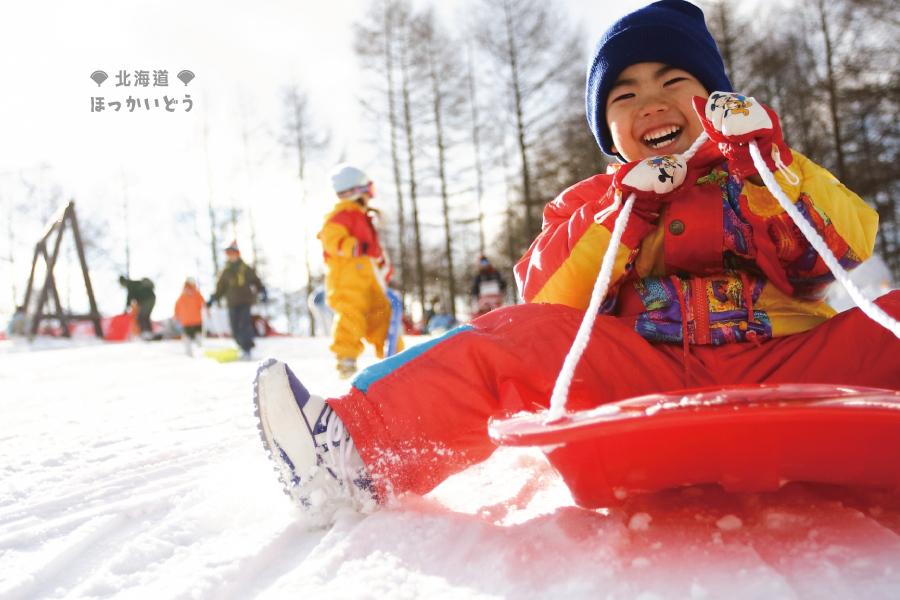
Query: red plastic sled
[[119, 328], [747, 438]]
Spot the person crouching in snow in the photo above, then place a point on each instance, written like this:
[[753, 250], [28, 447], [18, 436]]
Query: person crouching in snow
[[712, 285], [140, 299], [189, 313], [357, 270]]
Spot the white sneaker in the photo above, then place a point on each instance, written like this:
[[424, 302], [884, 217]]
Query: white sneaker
[[314, 456]]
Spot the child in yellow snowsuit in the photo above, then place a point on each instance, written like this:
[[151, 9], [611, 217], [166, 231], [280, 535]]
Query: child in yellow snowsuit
[[357, 270]]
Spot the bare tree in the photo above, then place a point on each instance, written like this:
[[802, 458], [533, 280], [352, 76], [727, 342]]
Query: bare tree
[[257, 259], [868, 66], [831, 84], [187, 223], [409, 123], [211, 210], [126, 225], [536, 49], [476, 146], [376, 48], [836, 95], [11, 245], [300, 136], [445, 76], [567, 152], [725, 25], [15, 208]]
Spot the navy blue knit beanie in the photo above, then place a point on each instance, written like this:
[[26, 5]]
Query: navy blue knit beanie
[[671, 32]]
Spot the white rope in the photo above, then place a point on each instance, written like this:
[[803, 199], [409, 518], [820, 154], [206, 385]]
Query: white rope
[[872, 310], [689, 154], [560, 394], [601, 285]]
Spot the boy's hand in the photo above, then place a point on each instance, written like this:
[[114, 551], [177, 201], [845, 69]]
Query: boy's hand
[[650, 179], [733, 120]]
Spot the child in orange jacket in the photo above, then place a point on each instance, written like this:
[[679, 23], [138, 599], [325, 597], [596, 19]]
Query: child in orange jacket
[[189, 312], [712, 285]]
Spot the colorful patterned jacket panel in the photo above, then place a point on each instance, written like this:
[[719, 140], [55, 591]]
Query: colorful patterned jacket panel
[[722, 263]]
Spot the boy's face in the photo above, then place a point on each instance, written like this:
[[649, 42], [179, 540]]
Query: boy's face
[[649, 111]]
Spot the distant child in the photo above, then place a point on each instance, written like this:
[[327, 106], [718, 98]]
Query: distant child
[[713, 284], [357, 270], [189, 312]]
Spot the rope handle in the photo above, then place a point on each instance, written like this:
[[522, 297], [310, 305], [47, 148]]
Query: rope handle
[[601, 286], [560, 394]]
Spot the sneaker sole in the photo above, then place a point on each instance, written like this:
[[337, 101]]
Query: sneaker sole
[[278, 397]]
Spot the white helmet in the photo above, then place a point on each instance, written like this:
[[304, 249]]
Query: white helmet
[[349, 181]]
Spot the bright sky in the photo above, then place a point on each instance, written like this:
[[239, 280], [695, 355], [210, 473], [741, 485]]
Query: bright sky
[[243, 54]]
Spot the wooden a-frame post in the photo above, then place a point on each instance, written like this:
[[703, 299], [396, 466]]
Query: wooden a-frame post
[[66, 215]]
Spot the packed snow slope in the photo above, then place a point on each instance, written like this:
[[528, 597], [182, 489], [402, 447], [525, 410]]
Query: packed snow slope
[[133, 471]]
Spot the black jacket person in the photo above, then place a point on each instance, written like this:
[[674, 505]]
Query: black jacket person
[[141, 292]]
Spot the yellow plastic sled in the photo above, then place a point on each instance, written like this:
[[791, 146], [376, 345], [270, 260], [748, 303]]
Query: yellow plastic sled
[[222, 355]]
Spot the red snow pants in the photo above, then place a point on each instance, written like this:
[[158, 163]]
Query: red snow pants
[[421, 416]]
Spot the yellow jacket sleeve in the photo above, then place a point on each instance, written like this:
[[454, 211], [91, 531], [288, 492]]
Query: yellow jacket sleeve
[[336, 240], [842, 218]]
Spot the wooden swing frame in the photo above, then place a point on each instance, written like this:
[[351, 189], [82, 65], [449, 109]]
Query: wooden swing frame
[[49, 292]]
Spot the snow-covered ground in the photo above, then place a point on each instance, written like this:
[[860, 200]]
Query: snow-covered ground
[[132, 471]]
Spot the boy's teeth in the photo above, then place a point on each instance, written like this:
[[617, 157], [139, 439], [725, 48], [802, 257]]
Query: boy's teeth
[[649, 137], [661, 136]]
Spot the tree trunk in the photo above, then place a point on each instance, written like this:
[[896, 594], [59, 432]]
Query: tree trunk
[[300, 137], [442, 176], [11, 238], [831, 88], [395, 153], [213, 241], [476, 145], [723, 10], [512, 55], [251, 222], [306, 265], [411, 161], [511, 254], [126, 227]]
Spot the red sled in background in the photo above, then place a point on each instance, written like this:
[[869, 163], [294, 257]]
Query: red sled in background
[[744, 438], [118, 328]]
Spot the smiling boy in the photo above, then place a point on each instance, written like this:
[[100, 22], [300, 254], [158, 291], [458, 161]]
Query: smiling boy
[[712, 285]]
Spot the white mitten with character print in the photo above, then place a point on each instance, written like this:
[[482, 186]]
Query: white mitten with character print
[[733, 121], [650, 180]]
